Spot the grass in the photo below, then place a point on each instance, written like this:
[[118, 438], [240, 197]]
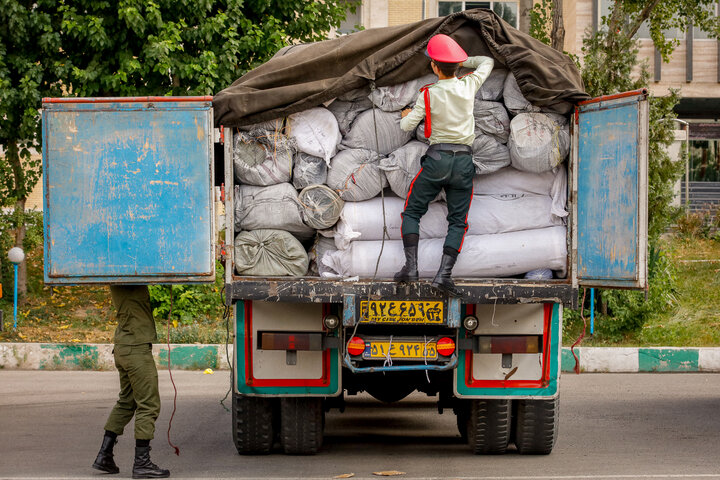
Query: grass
[[694, 320], [84, 314]]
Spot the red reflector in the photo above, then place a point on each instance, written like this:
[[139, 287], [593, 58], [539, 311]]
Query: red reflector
[[356, 346], [512, 344], [445, 346]]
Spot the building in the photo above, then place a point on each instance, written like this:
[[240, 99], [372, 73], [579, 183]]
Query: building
[[694, 69]]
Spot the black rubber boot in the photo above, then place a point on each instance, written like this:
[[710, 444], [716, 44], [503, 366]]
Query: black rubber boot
[[409, 272], [443, 279], [104, 460], [144, 468]]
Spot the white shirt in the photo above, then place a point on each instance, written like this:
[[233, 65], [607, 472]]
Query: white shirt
[[451, 105]]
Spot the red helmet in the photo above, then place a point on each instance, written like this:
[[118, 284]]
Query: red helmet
[[444, 49]]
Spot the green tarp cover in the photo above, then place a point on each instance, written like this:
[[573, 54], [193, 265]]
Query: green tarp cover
[[309, 75]]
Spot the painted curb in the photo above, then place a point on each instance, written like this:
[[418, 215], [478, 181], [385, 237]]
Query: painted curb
[[57, 356]]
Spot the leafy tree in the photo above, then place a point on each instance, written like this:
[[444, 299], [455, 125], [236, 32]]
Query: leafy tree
[[30, 68]]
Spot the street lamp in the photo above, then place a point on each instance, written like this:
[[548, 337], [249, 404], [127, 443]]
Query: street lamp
[[16, 256]]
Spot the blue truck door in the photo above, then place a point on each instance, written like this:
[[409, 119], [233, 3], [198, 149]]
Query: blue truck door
[[609, 188], [128, 190]]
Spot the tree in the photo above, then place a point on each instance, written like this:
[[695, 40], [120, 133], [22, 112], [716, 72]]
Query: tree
[[546, 23], [30, 68]]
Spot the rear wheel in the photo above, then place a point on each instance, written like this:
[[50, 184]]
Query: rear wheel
[[536, 427], [301, 425], [252, 424], [488, 426]]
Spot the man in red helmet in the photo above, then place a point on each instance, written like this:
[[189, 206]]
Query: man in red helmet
[[447, 108]]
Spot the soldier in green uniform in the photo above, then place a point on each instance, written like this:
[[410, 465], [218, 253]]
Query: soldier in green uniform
[[139, 393]]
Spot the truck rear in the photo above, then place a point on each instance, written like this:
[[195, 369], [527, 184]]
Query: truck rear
[[129, 188]]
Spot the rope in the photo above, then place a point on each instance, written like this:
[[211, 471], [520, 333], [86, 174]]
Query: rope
[[226, 316], [172, 415], [582, 335]]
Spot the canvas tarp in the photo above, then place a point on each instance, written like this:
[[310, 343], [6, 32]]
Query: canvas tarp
[[311, 76]]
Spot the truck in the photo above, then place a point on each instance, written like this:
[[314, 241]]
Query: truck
[[129, 198]]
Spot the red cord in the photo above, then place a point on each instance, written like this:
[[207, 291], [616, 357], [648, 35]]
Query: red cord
[[582, 315], [177, 450]]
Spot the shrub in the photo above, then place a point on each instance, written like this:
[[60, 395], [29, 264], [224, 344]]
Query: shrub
[[189, 302]]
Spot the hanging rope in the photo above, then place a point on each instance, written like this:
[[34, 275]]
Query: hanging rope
[[172, 415], [582, 335]]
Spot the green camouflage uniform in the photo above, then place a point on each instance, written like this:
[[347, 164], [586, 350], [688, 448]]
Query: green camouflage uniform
[[134, 336]]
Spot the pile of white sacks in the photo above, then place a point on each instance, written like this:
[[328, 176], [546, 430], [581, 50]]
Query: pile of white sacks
[[334, 179]]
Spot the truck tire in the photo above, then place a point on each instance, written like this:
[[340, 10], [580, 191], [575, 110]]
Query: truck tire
[[488, 427], [536, 426], [252, 425], [301, 425]]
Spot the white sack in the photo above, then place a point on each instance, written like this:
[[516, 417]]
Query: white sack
[[514, 99], [346, 112], [262, 157], [538, 141], [320, 247], [390, 136], [355, 175], [489, 154], [308, 170], [269, 253], [402, 166], [321, 206], [274, 207], [397, 97], [492, 89], [420, 133], [491, 118], [499, 255], [512, 181], [362, 221], [316, 132]]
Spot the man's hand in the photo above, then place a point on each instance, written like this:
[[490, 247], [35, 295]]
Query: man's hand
[[406, 112]]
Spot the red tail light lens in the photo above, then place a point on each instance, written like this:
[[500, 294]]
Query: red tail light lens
[[356, 346], [446, 346]]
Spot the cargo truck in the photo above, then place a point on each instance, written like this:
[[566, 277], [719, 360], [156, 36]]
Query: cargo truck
[[129, 196]]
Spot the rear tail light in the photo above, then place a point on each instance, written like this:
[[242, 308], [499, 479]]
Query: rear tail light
[[445, 346], [510, 344], [356, 346]]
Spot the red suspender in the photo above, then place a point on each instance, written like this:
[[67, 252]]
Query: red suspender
[[428, 120]]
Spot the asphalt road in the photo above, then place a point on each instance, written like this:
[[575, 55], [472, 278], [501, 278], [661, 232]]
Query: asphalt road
[[612, 426]]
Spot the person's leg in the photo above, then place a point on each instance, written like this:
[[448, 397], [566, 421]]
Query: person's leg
[[459, 197], [144, 378]]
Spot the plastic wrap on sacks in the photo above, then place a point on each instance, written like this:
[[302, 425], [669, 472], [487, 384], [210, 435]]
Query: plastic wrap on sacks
[[274, 207], [321, 206], [269, 253], [389, 136], [491, 118], [308, 170], [539, 274], [512, 181], [489, 154], [397, 97], [488, 214], [346, 112], [402, 165], [538, 141], [497, 255], [492, 89], [320, 247], [275, 125], [513, 98], [315, 131], [355, 175], [262, 157]]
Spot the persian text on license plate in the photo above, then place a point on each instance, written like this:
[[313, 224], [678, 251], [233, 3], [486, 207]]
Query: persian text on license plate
[[407, 311], [406, 350]]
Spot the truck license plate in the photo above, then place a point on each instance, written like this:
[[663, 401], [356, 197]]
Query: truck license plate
[[401, 350], [419, 312]]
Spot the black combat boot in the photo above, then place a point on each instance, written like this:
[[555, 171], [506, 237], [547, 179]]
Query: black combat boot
[[409, 272], [443, 278], [144, 468], [104, 460]]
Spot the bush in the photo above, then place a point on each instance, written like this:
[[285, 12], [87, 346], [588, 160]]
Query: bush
[[189, 302], [33, 238], [703, 223]]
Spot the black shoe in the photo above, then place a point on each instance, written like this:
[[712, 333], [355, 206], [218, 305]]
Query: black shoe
[[104, 460], [443, 279], [144, 468], [409, 272]]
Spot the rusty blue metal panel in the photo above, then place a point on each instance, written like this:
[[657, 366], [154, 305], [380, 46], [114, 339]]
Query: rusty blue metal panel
[[611, 218], [128, 191]]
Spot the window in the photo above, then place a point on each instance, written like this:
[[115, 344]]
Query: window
[[704, 161], [699, 34], [508, 11], [352, 22], [644, 31]]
